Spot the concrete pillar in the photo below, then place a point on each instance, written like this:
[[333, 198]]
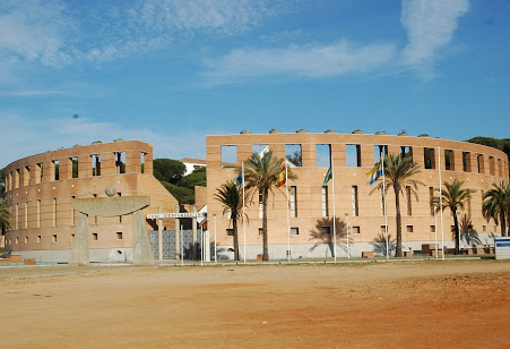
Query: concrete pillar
[[177, 235], [160, 235], [80, 247], [142, 252], [194, 229]]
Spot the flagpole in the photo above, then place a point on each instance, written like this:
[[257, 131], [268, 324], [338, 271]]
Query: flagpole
[[441, 201], [334, 204], [242, 219], [383, 153], [287, 205]]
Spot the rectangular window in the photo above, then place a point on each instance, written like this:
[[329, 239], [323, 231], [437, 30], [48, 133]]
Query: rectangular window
[[326, 230], [484, 228], [74, 167], [356, 229], [228, 156], [353, 154], [261, 231], [54, 238], [491, 165], [409, 201], [96, 164], [432, 228], [119, 235], [26, 176], [406, 151], [410, 229], [383, 229], [323, 155], [294, 231], [38, 238], [429, 158], [479, 163], [230, 232], [120, 162], [293, 154], [355, 204], [324, 201], [16, 216], [94, 236], [18, 179], [38, 213], [380, 151], [26, 239], [25, 218], [293, 201], [260, 149], [56, 167], [73, 211], [39, 170], [71, 237], [466, 165], [142, 162], [431, 197], [448, 160], [54, 209]]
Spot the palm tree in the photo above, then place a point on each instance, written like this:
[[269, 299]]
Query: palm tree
[[5, 217], [398, 171], [262, 172], [496, 204], [454, 196], [231, 196]]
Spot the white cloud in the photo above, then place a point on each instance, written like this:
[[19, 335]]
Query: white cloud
[[311, 61], [23, 137], [55, 33], [430, 25]]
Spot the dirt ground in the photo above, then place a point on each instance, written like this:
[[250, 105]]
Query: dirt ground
[[452, 304]]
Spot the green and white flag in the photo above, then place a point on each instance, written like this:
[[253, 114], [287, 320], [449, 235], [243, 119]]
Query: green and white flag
[[327, 177]]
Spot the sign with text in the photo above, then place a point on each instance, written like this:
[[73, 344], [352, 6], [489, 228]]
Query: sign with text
[[175, 215]]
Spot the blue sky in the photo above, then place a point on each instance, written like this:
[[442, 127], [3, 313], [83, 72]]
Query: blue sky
[[171, 72]]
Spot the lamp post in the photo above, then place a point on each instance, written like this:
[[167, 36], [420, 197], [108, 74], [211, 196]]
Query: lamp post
[[347, 231]]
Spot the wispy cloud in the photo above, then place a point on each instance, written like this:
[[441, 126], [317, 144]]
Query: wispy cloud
[[430, 25], [310, 61], [55, 33], [37, 136]]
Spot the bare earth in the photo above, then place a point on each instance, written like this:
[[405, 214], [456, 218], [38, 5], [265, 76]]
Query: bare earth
[[462, 304]]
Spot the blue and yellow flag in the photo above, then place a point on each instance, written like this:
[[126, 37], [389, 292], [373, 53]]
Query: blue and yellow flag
[[375, 173]]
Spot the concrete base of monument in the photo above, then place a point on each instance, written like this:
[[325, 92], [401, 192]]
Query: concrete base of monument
[[103, 255]]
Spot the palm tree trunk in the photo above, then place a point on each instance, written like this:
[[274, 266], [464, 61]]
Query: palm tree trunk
[[236, 238], [265, 251], [398, 252], [503, 221], [457, 232]]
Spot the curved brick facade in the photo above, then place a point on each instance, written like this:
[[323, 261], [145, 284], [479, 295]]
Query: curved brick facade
[[353, 156], [40, 189]]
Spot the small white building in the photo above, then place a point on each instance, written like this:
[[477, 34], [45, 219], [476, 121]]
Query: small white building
[[192, 164]]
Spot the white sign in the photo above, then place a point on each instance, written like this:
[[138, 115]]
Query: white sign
[[502, 248], [175, 215]]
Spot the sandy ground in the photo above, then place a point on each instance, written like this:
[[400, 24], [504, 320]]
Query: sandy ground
[[461, 304]]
